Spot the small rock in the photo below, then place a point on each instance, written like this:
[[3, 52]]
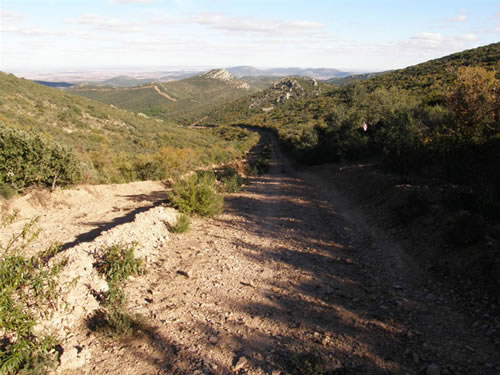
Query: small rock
[[183, 273], [433, 370], [242, 361], [213, 340], [276, 372]]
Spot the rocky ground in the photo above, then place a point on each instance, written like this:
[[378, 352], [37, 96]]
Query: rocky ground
[[292, 278]]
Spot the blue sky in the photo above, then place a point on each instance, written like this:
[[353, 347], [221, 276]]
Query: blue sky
[[353, 35]]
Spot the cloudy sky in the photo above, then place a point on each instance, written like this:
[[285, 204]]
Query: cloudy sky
[[353, 35]]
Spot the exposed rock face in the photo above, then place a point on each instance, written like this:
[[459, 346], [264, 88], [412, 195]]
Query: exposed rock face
[[284, 90], [224, 76]]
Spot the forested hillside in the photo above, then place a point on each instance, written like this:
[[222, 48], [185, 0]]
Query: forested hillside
[[50, 137], [182, 100], [440, 118]]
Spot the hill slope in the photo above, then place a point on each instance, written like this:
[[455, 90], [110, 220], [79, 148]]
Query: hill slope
[[183, 99], [111, 144]]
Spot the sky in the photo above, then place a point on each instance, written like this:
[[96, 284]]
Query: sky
[[351, 35]]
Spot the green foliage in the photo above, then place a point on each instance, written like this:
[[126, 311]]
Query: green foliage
[[182, 224], [26, 159], [7, 191], [117, 263], [309, 363], [230, 179], [108, 143], [182, 100], [114, 322], [197, 195], [27, 291], [474, 101]]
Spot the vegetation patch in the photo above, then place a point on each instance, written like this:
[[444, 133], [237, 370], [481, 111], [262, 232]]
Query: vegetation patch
[[182, 225], [197, 194], [68, 138], [116, 264], [27, 159], [308, 363], [231, 181], [27, 293]]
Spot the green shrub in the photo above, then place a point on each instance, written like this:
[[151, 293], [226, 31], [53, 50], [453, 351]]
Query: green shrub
[[27, 291], [114, 322], [6, 191], [182, 224], [230, 179], [27, 159], [309, 363], [262, 165], [197, 195], [116, 264]]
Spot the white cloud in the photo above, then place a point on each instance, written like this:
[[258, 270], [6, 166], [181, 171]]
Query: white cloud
[[7, 16], [460, 17], [249, 25], [28, 31], [99, 22], [438, 41]]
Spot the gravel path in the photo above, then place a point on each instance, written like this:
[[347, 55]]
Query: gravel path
[[290, 275]]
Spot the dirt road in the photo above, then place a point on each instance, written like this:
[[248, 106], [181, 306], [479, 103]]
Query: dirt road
[[290, 279]]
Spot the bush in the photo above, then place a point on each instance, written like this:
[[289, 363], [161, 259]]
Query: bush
[[27, 291], [182, 224], [230, 179], [27, 159], [197, 195], [6, 191], [116, 264], [308, 363]]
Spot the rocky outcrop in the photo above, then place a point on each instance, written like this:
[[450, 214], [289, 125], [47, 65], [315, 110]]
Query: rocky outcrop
[[224, 76], [286, 89]]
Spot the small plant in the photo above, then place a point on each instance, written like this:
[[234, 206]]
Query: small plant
[[262, 165], [116, 265], [27, 292], [309, 363], [230, 179], [114, 322], [197, 195], [182, 224], [7, 191]]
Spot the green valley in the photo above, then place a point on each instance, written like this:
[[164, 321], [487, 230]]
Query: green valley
[[109, 144], [182, 100]]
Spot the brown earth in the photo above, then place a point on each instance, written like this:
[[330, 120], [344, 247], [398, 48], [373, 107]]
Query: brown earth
[[292, 274]]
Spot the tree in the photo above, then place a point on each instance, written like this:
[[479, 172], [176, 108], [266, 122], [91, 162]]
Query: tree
[[474, 102]]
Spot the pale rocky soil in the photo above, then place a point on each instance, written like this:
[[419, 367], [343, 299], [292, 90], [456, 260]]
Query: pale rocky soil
[[291, 266]]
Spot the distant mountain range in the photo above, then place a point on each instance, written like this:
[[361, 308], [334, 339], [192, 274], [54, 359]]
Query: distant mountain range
[[248, 73], [318, 73], [180, 99]]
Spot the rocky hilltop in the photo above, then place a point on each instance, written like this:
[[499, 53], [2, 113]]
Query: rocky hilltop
[[224, 76], [289, 88]]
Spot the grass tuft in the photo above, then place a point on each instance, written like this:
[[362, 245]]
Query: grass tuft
[[182, 224]]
